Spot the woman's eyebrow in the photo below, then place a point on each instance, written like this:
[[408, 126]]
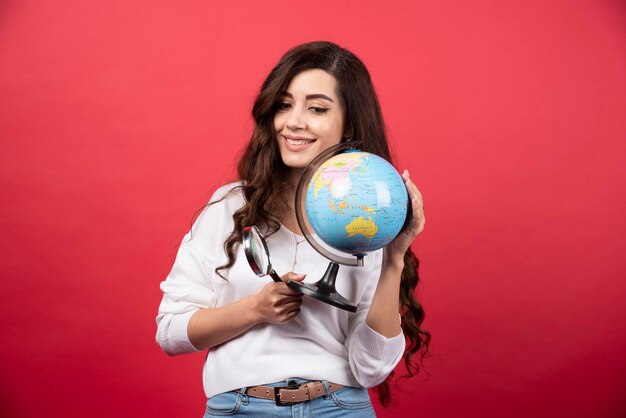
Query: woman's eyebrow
[[309, 96]]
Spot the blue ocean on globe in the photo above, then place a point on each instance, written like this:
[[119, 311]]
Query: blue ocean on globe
[[356, 202]]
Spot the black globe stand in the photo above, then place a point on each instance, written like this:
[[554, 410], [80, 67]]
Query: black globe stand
[[324, 289]]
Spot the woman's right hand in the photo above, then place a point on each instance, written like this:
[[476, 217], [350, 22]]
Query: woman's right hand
[[278, 303], [275, 303]]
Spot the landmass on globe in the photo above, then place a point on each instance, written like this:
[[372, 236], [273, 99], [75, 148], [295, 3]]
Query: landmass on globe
[[360, 225]]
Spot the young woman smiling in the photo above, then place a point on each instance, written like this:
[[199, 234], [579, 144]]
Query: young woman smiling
[[266, 344]]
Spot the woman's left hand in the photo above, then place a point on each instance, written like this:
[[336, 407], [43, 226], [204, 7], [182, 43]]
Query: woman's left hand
[[396, 248], [383, 314]]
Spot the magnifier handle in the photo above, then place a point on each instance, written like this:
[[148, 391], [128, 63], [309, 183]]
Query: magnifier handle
[[275, 276]]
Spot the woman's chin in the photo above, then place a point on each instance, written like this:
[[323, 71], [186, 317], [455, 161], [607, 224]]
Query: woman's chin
[[298, 162]]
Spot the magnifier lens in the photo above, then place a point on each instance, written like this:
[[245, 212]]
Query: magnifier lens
[[258, 252]]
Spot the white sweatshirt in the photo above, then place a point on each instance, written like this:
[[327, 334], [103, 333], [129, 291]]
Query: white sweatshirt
[[321, 343]]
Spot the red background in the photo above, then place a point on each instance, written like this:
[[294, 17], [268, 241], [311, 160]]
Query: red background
[[119, 118]]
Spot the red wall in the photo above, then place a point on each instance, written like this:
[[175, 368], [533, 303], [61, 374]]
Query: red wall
[[118, 119]]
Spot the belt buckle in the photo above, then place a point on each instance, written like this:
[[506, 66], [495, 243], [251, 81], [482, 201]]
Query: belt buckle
[[277, 398]]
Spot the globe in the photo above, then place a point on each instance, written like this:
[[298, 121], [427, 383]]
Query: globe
[[356, 202], [348, 203]]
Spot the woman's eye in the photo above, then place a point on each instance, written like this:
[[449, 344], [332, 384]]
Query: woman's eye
[[318, 109], [283, 106]]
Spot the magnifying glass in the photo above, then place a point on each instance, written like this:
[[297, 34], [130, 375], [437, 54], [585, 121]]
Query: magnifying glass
[[257, 253]]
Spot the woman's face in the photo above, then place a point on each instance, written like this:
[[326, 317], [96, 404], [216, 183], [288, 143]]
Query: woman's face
[[309, 118]]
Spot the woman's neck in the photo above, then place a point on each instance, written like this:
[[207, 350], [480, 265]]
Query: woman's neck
[[293, 176], [287, 215]]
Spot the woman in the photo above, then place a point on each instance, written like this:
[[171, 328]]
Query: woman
[[271, 352]]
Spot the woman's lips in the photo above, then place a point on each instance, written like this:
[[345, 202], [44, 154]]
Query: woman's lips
[[295, 143]]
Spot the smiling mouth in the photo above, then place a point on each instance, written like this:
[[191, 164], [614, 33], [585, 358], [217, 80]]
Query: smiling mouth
[[298, 141]]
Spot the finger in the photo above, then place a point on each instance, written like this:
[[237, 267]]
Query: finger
[[289, 300], [286, 311], [418, 210], [417, 194], [416, 204], [414, 193], [294, 304], [293, 276], [289, 316], [283, 289], [415, 211], [418, 221], [413, 190]]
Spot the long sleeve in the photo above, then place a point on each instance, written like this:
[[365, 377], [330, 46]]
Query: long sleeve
[[186, 289], [371, 356], [190, 284]]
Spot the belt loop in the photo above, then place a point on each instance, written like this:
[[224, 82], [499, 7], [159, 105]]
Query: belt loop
[[326, 389], [244, 395]]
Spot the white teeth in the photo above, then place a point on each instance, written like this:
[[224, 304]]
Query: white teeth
[[298, 141]]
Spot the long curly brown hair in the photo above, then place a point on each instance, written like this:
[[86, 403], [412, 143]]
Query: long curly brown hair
[[263, 173]]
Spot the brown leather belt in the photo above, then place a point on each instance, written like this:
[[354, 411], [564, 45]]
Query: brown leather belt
[[291, 394]]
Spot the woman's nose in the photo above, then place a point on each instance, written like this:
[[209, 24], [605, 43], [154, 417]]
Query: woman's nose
[[296, 119]]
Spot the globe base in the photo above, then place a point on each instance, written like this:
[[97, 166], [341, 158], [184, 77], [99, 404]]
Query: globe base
[[324, 289]]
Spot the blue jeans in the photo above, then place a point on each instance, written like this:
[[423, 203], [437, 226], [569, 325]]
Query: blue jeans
[[346, 402]]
